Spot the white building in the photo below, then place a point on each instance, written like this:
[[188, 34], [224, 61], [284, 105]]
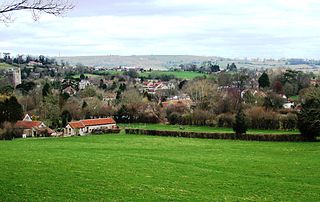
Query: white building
[[83, 84], [288, 105], [83, 127]]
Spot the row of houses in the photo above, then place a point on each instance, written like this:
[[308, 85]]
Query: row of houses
[[30, 128], [154, 86]]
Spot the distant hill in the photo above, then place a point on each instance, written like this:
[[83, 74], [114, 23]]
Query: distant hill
[[145, 61], [163, 62]]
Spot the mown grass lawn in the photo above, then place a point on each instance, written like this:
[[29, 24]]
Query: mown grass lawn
[[177, 74], [147, 168], [201, 129]]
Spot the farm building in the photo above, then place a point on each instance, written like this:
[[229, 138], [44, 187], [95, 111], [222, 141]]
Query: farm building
[[31, 128], [83, 127]]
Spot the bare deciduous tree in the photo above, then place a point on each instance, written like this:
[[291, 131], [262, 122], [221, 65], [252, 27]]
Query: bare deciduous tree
[[53, 7]]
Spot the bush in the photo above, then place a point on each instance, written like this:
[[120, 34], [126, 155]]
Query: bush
[[309, 117], [259, 118], [225, 120], [240, 125], [174, 118], [289, 121], [7, 132]]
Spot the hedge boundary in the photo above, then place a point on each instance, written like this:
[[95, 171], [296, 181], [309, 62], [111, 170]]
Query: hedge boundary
[[225, 136]]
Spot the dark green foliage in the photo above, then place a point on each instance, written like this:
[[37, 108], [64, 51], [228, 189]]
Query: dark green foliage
[[6, 90], [26, 87], [84, 104], [66, 117], [215, 68], [101, 83], [46, 90], [132, 73], [126, 114], [113, 86], [264, 80], [174, 118], [182, 83], [122, 87], [309, 117], [10, 110], [56, 85], [232, 67], [82, 76], [240, 126]]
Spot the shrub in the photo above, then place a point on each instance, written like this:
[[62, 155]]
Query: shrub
[[7, 132], [174, 118], [259, 118], [225, 120], [289, 121], [309, 117], [240, 126]]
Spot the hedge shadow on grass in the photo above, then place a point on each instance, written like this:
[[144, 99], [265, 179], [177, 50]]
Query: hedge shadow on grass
[[226, 136]]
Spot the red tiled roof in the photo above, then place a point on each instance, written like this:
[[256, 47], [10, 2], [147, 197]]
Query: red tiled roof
[[76, 124], [94, 122], [91, 122], [27, 124]]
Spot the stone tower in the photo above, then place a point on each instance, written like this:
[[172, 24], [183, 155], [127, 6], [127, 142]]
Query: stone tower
[[15, 76]]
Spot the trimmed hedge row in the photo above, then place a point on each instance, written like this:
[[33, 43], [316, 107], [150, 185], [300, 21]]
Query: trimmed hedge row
[[228, 136]]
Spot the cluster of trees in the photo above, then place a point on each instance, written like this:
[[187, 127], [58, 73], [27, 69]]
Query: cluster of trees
[[206, 67], [19, 60], [10, 112]]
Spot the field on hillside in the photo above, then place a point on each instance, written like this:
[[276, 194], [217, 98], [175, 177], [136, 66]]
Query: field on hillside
[[5, 66], [177, 74], [201, 129], [77, 76], [147, 168]]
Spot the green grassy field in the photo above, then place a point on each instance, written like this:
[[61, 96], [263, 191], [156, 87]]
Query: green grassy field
[[146, 168], [77, 76], [5, 66], [202, 129], [178, 74]]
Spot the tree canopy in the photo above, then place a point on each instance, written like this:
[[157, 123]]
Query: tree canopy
[[309, 117], [264, 80]]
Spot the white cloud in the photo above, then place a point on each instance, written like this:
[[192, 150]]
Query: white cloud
[[237, 28]]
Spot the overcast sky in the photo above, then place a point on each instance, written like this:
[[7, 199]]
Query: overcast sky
[[227, 28]]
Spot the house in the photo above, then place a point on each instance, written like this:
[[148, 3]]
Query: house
[[288, 105], [314, 82], [83, 84], [154, 86], [31, 128], [110, 98], [86, 126], [69, 90]]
